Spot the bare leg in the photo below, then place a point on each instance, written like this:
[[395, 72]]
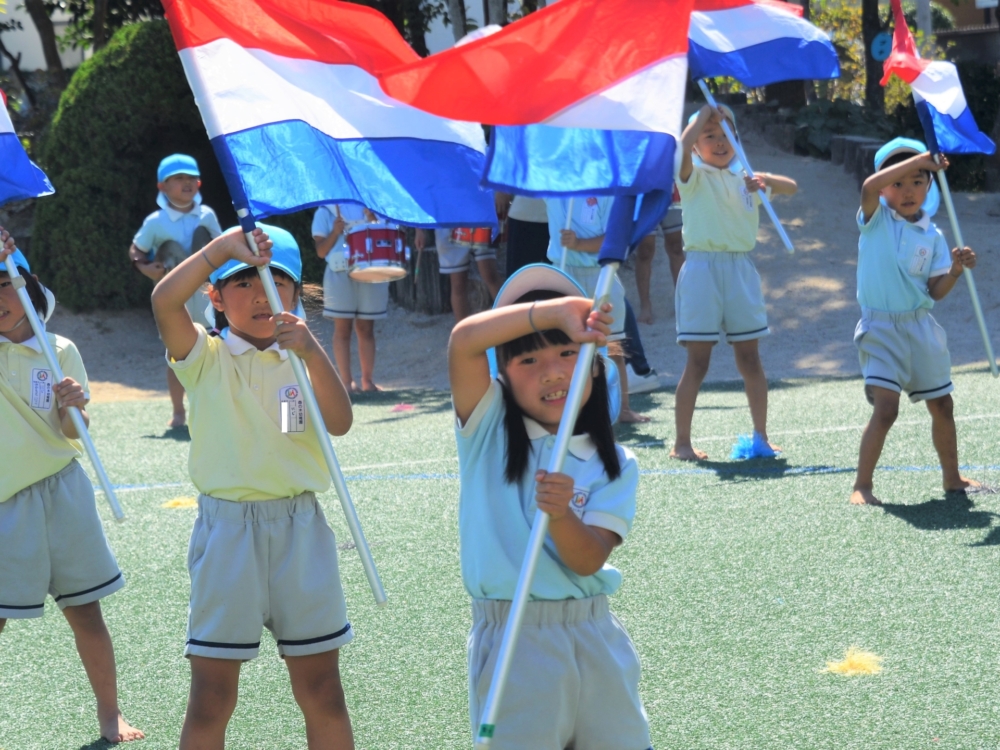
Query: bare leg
[[211, 702], [754, 383], [490, 276], [699, 354], [674, 243], [459, 294], [3, 621], [626, 416], [946, 443], [93, 643], [643, 272], [176, 400], [317, 689], [366, 353], [872, 440], [342, 329]]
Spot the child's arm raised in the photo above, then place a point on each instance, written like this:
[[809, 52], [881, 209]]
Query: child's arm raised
[[334, 403], [170, 295], [690, 136], [874, 185], [961, 258], [468, 367], [779, 184]]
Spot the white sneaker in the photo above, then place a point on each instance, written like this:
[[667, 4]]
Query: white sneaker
[[642, 383]]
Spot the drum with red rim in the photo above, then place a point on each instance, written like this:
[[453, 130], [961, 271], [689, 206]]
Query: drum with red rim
[[376, 253], [477, 238]]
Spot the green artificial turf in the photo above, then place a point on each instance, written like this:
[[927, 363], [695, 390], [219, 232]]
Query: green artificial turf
[[742, 579]]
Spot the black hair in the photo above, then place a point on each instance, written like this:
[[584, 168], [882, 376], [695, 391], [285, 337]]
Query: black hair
[[595, 415], [34, 289], [901, 157], [247, 273]]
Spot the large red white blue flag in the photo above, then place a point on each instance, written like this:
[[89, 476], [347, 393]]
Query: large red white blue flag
[[289, 94], [949, 126], [20, 177], [758, 42]]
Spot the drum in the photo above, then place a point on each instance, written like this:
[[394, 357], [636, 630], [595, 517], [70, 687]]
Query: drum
[[377, 253], [170, 254], [477, 238]]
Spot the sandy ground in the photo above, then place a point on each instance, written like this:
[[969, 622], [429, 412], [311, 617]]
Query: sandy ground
[[810, 296]]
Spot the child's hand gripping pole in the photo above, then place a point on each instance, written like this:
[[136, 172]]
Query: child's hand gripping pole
[[315, 415], [741, 155], [540, 525], [57, 373], [967, 273]]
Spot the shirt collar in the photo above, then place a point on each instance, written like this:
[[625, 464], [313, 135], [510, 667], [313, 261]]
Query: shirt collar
[[31, 343], [580, 446], [924, 222], [172, 213], [238, 345]]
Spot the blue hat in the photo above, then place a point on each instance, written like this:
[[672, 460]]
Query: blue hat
[[910, 146], [285, 256], [727, 111], [177, 164], [19, 260]]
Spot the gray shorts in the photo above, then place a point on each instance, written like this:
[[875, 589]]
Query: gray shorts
[[52, 542], [719, 294], [270, 563], [586, 276], [454, 258], [904, 352], [573, 681], [345, 298]]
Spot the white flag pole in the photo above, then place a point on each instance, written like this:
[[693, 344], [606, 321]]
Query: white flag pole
[[50, 356], [967, 273], [569, 224], [540, 526], [741, 155], [316, 417]]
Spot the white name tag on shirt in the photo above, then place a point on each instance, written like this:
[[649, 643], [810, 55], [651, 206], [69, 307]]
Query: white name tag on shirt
[[293, 409], [747, 197], [41, 389], [920, 261], [590, 211]]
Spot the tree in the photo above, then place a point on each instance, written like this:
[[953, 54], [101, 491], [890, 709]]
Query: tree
[[871, 25], [15, 62], [92, 22], [412, 18], [47, 33], [456, 15]]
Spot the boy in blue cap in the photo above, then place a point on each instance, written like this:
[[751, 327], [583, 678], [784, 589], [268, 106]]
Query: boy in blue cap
[[181, 227], [904, 266]]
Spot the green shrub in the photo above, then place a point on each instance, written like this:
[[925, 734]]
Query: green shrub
[[124, 110]]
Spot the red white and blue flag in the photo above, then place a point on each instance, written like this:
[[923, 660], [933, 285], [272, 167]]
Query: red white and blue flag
[[20, 177], [289, 94], [758, 42], [949, 126]]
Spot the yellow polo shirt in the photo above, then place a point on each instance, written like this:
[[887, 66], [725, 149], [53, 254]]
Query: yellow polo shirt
[[32, 444], [719, 213], [238, 449]]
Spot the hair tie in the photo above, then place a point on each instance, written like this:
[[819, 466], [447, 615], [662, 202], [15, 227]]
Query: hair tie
[[531, 319]]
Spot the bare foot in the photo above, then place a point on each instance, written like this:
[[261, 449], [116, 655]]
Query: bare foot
[[687, 453], [353, 388], [369, 387], [645, 315], [627, 416], [864, 497], [116, 730], [179, 420], [965, 485]]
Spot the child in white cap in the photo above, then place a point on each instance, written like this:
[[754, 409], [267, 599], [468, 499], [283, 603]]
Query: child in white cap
[[262, 554], [718, 291], [904, 266], [574, 680], [182, 226], [51, 538]]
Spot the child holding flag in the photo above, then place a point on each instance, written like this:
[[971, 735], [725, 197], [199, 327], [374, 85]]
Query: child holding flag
[[904, 267], [51, 539], [718, 289]]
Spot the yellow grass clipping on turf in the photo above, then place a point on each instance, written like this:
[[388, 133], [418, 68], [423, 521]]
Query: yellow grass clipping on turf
[[181, 502], [856, 661]]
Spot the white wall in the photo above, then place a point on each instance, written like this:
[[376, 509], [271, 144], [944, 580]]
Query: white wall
[[26, 40]]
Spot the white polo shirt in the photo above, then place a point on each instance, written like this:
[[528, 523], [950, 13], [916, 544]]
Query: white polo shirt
[[896, 259], [170, 224], [590, 219], [495, 518]]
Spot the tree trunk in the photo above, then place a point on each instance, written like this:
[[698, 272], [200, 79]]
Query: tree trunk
[[415, 27], [871, 25], [100, 23], [47, 33], [456, 12], [15, 69], [498, 12]]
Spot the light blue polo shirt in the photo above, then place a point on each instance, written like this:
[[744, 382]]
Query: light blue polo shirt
[[170, 224], [896, 258], [495, 518], [590, 219]]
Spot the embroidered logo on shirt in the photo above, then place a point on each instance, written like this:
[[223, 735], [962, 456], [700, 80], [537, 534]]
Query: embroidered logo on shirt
[[920, 260], [580, 498], [293, 412], [41, 389]]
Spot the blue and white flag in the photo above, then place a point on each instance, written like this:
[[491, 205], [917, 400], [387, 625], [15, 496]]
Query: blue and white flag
[[20, 177]]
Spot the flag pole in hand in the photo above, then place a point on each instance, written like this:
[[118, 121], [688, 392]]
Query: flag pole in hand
[[248, 224]]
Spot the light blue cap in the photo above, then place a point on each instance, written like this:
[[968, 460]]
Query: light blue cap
[[910, 146], [177, 164], [727, 111], [19, 260], [285, 256]]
